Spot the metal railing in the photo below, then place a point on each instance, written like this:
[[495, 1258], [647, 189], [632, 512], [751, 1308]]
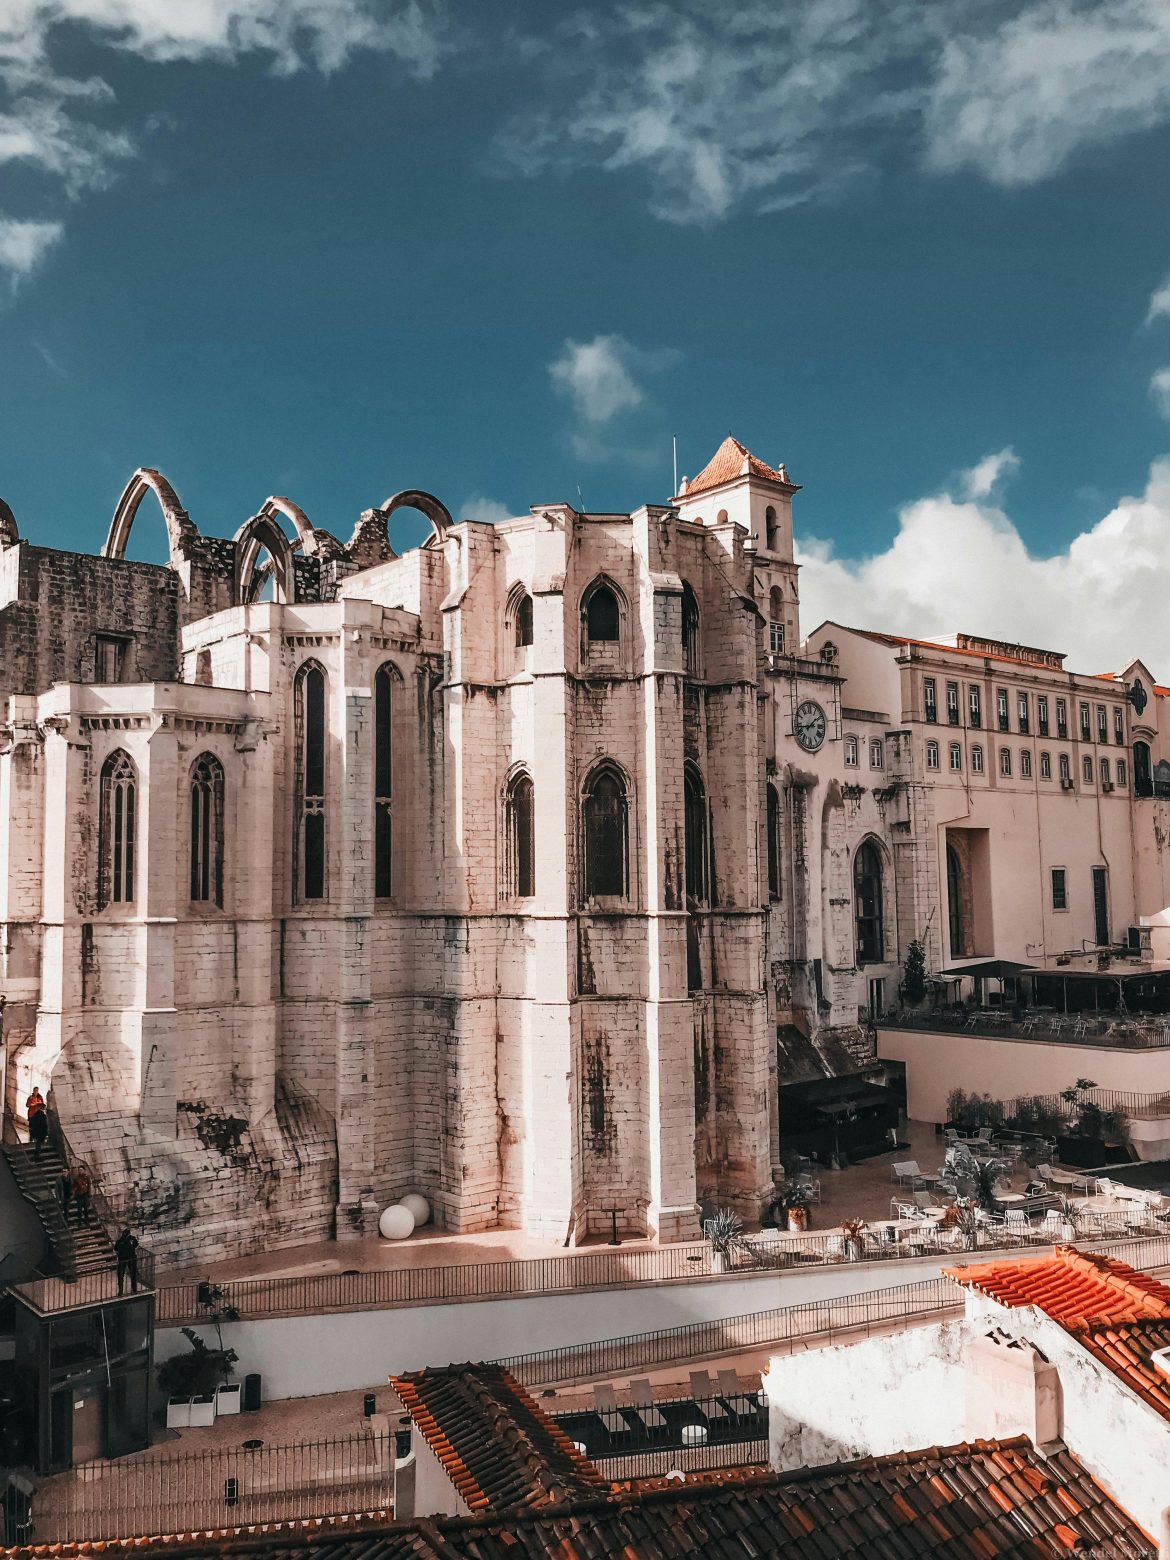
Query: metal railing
[[713, 1418], [48, 1295], [824, 1319], [222, 1488], [1101, 1034], [690, 1459], [385, 1287]]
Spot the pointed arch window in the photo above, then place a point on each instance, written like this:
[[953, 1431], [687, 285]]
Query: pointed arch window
[[521, 833], [606, 833], [207, 791], [309, 840], [117, 830], [868, 902], [690, 631], [695, 836], [523, 620], [773, 843], [384, 682], [602, 616]]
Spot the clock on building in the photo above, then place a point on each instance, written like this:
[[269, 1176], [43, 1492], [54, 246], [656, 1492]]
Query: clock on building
[[809, 725]]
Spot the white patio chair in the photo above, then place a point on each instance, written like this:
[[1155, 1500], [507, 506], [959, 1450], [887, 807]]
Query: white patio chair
[[906, 1170], [926, 1201]]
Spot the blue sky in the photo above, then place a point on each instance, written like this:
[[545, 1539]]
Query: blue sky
[[334, 248]]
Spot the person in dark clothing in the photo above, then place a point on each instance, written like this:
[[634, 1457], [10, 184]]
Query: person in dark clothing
[[66, 1191], [38, 1129], [81, 1189], [126, 1247]]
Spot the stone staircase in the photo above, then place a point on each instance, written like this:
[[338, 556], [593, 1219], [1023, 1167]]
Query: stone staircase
[[76, 1249]]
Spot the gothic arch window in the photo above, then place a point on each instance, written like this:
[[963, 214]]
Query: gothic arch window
[[1143, 774], [602, 614], [523, 620], [520, 819], [207, 792], [868, 900], [770, 527], [117, 830], [605, 816], [955, 902], [695, 836], [309, 690], [690, 631], [384, 682], [773, 843]]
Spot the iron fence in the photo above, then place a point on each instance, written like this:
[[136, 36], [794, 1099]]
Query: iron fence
[[691, 1459], [47, 1295], [313, 1294], [224, 1487], [734, 1334]]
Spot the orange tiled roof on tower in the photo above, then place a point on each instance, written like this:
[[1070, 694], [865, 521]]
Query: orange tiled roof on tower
[[733, 459], [1118, 1314]]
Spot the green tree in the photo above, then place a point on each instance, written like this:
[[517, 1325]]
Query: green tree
[[914, 974]]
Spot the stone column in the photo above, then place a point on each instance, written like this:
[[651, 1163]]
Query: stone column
[[151, 1030]]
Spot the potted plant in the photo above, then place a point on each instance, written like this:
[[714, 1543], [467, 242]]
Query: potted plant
[[796, 1202], [190, 1381], [724, 1232], [854, 1232], [1097, 1137], [963, 1215]]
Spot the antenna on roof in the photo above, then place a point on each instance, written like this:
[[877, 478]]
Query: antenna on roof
[[580, 501], [674, 443]]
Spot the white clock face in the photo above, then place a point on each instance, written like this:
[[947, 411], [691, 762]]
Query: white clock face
[[809, 725]]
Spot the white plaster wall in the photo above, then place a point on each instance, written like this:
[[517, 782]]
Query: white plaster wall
[[936, 1063]]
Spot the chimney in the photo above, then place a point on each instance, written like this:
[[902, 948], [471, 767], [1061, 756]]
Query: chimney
[[1013, 1390]]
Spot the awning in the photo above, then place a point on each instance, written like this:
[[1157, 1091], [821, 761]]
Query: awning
[[994, 969]]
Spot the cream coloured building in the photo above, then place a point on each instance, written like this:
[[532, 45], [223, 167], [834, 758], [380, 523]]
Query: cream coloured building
[[495, 870]]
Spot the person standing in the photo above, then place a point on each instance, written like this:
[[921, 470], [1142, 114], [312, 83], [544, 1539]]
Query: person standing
[[126, 1248], [38, 1120], [66, 1191], [81, 1190]]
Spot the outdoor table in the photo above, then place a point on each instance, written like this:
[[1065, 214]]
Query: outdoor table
[[1010, 1197]]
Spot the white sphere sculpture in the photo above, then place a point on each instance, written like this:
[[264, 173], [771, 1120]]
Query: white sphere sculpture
[[396, 1223], [419, 1206]]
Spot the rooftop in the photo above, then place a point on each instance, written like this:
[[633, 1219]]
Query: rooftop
[[732, 459], [973, 1501]]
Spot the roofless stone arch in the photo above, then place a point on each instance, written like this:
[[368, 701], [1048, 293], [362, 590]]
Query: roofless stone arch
[[370, 542], [9, 534], [180, 530], [262, 532], [314, 542]]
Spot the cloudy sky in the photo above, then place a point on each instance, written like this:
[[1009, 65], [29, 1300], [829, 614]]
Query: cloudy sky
[[334, 248]]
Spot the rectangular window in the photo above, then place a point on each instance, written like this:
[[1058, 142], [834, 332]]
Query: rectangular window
[[109, 659], [976, 760], [929, 700], [1086, 724], [1102, 723], [1059, 889], [1119, 725], [1087, 768], [1106, 777], [876, 753], [851, 752], [956, 756], [1001, 708], [1025, 763], [776, 638], [1065, 771], [1121, 780], [1022, 711], [1061, 719], [975, 705], [1046, 766], [1042, 714], [1101, 906], [953, 703], [1005, 761], [932, 755]]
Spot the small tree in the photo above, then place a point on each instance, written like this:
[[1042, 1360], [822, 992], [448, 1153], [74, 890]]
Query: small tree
[[197, 1373], [914, 974]]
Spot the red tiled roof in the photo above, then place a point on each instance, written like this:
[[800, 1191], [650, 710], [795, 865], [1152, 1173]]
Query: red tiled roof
[[733, 459], [1118, 1314], [933, 644], [496, 1445], [980, 1501]]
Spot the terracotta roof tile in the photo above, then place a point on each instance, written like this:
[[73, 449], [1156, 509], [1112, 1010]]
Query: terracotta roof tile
[[733, 459]]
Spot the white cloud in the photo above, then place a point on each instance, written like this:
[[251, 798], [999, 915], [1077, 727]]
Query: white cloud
[[23, 245], [1159, 302], [985, 476], [479, 507], [957, 564], [601, 380], [47, 121], [763, 106], [1160, 390]]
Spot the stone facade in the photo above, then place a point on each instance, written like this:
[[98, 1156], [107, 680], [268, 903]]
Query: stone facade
[[492, 870]]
